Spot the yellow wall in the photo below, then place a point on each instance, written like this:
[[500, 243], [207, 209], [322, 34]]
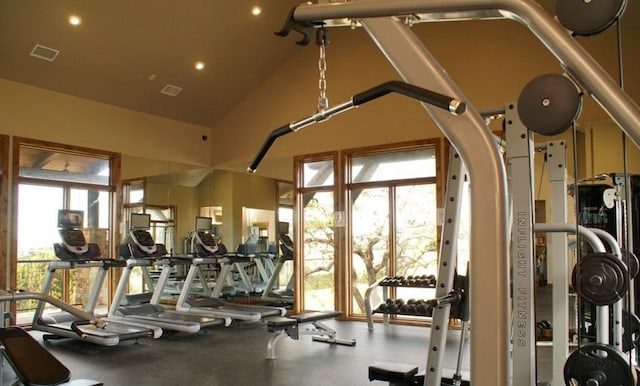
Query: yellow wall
[[184, 199], [36, 113], [491, 61]]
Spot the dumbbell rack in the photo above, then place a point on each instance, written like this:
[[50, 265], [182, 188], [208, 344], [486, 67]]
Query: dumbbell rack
[[399, 306]]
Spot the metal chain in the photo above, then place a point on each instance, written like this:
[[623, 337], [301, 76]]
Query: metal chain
[[323, 101]]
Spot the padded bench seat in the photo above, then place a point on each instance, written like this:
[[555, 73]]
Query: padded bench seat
[[288, 326], [404, 374], [400, 373], [313, 316], [32, 363], [276, 323]]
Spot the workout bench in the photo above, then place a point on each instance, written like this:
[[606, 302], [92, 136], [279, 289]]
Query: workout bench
[[402, 374], [32, 363], [290, 326]]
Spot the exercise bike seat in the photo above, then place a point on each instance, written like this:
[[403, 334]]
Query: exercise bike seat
[[33, 364]]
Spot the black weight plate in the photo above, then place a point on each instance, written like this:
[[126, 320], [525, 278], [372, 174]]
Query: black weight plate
[[549, 104], [631, 331], [631, 261], [600, 278], [589, 17], [599, 362]]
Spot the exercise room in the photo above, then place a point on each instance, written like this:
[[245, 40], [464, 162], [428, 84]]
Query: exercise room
[[338, 192]]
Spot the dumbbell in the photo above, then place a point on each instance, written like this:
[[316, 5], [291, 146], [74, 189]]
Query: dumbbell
[[421, 307]]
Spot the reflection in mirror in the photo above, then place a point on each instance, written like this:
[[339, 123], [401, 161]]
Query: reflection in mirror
[[260, 224], [215, 213], [133, 191]]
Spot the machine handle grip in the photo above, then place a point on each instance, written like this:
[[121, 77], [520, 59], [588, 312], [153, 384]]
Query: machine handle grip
[[452, 105], [75, 327], [279, 132]]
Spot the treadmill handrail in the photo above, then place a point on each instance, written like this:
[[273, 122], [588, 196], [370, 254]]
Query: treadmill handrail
[[9, 296]]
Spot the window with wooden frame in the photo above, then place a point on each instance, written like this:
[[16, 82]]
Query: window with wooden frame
[[49, 177], [364, 214]]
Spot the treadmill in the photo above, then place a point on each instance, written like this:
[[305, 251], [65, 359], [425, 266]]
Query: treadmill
[[246, 256], [209, 252], [74, 252], [271, 292], [140, 250]]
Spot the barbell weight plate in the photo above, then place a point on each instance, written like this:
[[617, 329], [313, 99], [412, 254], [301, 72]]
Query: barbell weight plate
[[549, 104], [587, 18], [600, 278], [631, 331], [598, 364], [631, 261]]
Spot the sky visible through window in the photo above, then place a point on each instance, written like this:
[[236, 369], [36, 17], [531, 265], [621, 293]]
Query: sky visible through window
[[37, 217], [38, 214]]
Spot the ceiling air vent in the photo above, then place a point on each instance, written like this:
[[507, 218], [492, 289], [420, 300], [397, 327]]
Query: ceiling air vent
[[46, 53], [171, 90]]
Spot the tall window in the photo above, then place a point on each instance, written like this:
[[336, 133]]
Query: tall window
[[365, 214], [393, 207], [51, 177], [316, 205]]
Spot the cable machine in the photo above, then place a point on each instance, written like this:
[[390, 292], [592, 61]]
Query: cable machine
[[469, 134]]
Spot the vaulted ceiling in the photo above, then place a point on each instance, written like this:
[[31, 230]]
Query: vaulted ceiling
[[124, 53]]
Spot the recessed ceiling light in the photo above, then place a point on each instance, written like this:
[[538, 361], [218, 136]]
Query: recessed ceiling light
[[75, 20], [199, 65], [256, 10]]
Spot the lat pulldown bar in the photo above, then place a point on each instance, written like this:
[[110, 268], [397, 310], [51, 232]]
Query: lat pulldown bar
[[453, 105]]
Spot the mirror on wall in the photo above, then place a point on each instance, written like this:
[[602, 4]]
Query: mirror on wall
[[259, 224]]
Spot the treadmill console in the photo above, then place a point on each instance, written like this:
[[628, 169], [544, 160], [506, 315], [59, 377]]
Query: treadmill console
[[143, 240], [74, 241], [203, 241], [139, 242], [73, 244], [206, 241], [286, 244], [70, 223]]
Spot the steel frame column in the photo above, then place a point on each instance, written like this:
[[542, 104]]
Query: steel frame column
[[446, 269], [474, 141], [557, 169], [469, 134], [520, 171]]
